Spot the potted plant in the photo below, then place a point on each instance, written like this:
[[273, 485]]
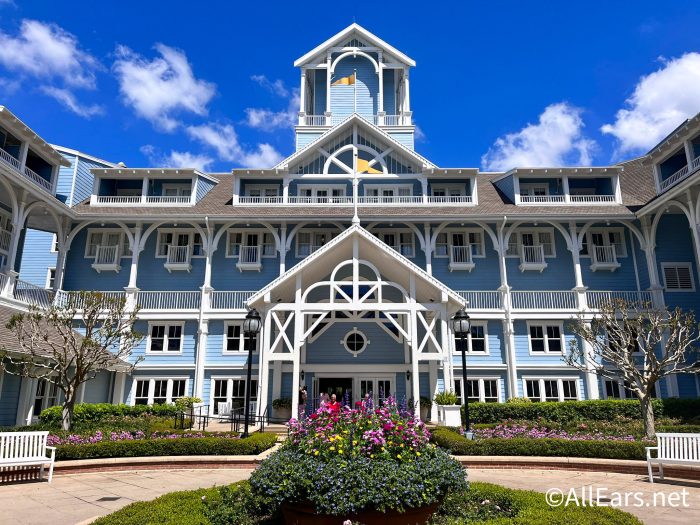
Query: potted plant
[[282, 408], [449, 412], [368, 466], [425, 405]]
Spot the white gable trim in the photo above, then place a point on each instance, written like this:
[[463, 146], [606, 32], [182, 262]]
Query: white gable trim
[[358, 230]]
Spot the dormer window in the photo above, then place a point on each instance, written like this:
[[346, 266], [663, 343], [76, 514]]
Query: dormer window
[[308, 242], [176, 190], [322, 194]]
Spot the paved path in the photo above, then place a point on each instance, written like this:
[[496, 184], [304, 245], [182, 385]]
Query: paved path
[[78, 498]]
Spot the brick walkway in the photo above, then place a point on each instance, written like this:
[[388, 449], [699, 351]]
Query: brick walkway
[[79, 498]]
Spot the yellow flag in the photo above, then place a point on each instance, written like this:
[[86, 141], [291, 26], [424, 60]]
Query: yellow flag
[[345, 81], [364, 167]]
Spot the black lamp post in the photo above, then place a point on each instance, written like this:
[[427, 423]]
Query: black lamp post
[[251, 327], [461, 327]]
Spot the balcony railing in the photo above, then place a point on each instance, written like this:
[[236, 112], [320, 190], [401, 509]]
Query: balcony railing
[[541, 199], [389, 199], [32, 294], [168, 199], [377, 120], [234, 300], [261, 199], [107, 258], [461, 258], [482, 300], [682, 174], [361, 200], [544, 300], [532, 258], [117, 199], [340, 199], [178, 258], [28, 173], [152, 300], [591, 199], [597, 298], [65, 298], [249, 258], [449, 199], [9, 159], [604, 258]]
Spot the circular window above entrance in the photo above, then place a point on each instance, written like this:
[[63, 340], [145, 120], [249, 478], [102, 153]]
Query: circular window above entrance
[[355, 342]]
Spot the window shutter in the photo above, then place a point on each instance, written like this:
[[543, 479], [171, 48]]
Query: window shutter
[[678, 277]]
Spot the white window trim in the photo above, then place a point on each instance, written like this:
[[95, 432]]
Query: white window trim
[[544, 325], [262, 188], [178, 231], [534, 231], [688, 265], [167, 325], [560, 389], [397, 232], [229, 387], [355, 353], [482, 397], [259, 231], [241, 342], [177, 187], [331, 233], [526, 187], [152, 386], [54, 242], [448, 187], [606, 240], [466, 232], [322, 187], [381, 187], [48, 276], [123, 242], [485, 324]]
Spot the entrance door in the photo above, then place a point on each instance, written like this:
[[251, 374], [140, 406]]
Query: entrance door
[[336, 385], [379, 389]]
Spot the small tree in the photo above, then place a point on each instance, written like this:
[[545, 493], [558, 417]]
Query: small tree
[[637, 344], [51, 349]]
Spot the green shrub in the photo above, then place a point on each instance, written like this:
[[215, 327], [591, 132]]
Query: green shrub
[[282, 403], [446, 398], [482, 503], [459, 445], [519, 400], [426, 403], [207, 446], [685, 410], [96, 412], [183, 404]]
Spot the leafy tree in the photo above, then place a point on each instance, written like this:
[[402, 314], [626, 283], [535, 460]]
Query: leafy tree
[[637, 344], [52, 349]]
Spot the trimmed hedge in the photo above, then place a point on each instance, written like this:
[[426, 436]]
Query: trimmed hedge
[[208, 446], [482, 503], [97, 412], [687, 410], [457, 444]]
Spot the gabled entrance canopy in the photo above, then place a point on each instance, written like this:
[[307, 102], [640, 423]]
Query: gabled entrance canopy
[[356, 245]]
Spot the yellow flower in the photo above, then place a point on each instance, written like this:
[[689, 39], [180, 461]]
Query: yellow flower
[[316, 453], [417, 453], [398, 456], [354, 442], [332, 448], [340, 451]]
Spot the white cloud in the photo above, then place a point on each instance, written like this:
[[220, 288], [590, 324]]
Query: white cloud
[[277, 86], [68, 99], [556, 140], [660, 102], [265, 119], [49, 52], [176, 159], [419, 134], [223, 139], [158, 88]]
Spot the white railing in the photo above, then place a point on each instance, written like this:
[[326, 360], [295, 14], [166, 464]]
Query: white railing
[[544, 300], [3, 281], [168, 199], [482, 300], [107, 255], [33, 294], [461, 254], [223, 300], [118, 199], [540, 199], [273, 199], [592, 198], [449, 199], [313, 120], [532, 254], [65, 298], [9, 159], [596, 299], [178, 254], [396, 120], [342, 199], [5, 238], [391, 199], [186, 300], [249, 255], [682, 174], [36, 178], [604, 255]]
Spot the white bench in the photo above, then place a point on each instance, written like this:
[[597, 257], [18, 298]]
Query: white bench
[[19, 449], [673, 449]]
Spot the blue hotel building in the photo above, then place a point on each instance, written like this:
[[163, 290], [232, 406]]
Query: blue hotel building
[[355, 249]]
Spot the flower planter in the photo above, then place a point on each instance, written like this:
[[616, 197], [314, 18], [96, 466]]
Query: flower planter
[[304, 514], [449, 415], [282, 414]]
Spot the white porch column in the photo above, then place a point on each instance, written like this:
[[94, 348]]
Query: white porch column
[[285, 189], [23, 153], [565, 186], [328, 88], [689, 153], [296, 355], [283, 248], [508, 332], [380, 74], [579, 287], [592, 386], [18, 223], [25, 406], [446, 343], [236, 189], [202, 335], [119, 388], [60, 263], [302, 92], [406, 91], [263, 364], [131, 289], [657, 295], [424, 188], [428, 249], [144, 190], [413, 330]]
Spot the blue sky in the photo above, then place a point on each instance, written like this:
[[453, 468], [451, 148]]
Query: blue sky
[[211, 84]]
